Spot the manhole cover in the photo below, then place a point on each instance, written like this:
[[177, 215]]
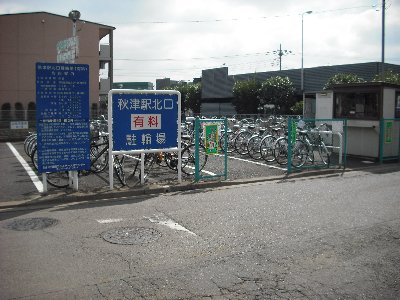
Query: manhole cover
[[131, 235], [31, 224]]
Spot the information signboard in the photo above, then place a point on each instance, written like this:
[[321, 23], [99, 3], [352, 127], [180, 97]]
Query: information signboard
[[62, 115], [68, 50], [388, 132], [144, 120], [211, 138]]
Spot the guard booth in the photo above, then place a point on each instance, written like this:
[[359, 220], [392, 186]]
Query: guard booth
[[372, 111]]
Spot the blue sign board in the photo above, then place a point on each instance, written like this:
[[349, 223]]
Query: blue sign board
[[143, 121], [62, 115]]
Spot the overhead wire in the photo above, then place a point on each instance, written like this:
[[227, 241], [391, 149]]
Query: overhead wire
[[232, 56], [240, 19]]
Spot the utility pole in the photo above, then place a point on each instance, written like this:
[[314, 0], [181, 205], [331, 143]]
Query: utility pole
[[280, 53]]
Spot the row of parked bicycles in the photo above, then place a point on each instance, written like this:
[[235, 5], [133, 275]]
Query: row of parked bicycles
[[268, 140], [259, 139], [99, 157]]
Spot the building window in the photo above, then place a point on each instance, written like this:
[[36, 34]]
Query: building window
[[19, 112], [397, 108], [31, 111], [6, 112], [357, 105]]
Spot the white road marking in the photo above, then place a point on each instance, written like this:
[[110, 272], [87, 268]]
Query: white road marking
[[107, 221], [36, 181], [169, 223], [257, 163], [202, 171], [208, 172]]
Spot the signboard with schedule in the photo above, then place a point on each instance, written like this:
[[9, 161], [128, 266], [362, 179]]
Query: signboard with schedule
[[62, 115], [144, 120]]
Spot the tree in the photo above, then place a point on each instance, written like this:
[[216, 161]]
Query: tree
[[193, 97], [389, 77], [297, 108], [246, 100], [190, 96], [342, 78], [278, 91]]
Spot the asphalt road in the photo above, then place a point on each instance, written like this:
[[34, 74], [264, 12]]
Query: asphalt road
[[311, 238]]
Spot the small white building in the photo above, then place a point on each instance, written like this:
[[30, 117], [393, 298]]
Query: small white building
[[372, 111]]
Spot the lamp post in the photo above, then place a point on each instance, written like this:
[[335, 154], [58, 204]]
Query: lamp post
[[302, 50], [74, 15]]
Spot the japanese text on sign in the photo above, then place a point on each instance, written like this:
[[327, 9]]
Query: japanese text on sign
[[145, 104], [62, 98], [144, 121]]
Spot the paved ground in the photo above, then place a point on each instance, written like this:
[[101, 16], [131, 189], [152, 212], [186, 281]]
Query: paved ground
[[97, 187], [320, 237]]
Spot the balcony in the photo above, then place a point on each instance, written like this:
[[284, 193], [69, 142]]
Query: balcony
[[105, 52]]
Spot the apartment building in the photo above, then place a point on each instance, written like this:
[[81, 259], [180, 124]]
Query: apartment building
[[28, 38]]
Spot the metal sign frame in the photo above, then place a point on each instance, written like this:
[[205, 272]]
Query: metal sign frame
[[62, 115], [136, 105]]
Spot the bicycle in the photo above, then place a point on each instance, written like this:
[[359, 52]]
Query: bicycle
[[98, 162], [309, 144]]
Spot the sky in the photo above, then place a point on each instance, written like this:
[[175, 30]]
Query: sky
[[178, 39]]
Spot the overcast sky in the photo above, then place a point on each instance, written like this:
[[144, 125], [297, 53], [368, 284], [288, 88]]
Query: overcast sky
[[179, 38]]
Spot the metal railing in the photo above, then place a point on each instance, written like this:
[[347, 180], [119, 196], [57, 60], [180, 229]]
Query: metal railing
[[318, 143]]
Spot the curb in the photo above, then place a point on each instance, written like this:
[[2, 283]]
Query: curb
[[56, 198]]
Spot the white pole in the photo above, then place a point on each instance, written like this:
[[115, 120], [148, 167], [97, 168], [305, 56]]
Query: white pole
[[142, 155], [302, 50], [44, 182], [110, 145]]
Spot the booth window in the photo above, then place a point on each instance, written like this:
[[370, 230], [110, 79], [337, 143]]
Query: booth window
[[357, 105], [397, 108]]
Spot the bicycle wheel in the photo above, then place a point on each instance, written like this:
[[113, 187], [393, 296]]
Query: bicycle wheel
[[253, 147], [27, 143], [149, 161], [119, 169], [267, 148], [31, 145], [58, 179], [189, 158], [171, 159], [34, 158], [324, 154], [98, 158], [281, 150], [299, 153], [241, 142], [230, 139]]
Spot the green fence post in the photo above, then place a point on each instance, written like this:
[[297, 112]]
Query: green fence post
[[381, 139], [289, 146], [226, 147], [196, 141]]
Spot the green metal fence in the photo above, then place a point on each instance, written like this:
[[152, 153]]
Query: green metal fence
[[316, 143], [389, 139], [208, 139]]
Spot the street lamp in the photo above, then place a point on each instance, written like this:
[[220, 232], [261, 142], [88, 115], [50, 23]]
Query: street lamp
[[74, 15], [302, 50]]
